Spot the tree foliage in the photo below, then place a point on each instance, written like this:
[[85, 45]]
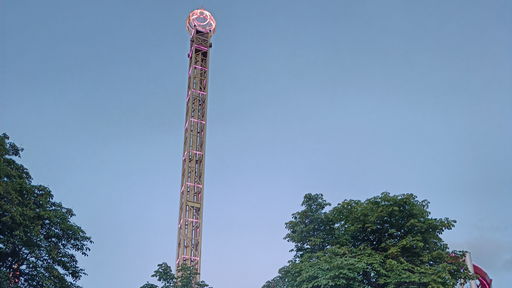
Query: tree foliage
[[186, 277], [386, 241], [38, 240], [276, 282]]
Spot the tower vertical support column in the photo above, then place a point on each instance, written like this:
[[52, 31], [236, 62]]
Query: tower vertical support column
[[192, 179]]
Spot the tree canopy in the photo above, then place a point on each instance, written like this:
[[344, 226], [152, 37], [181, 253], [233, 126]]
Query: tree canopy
[[185, 277], [386, 241], [38, 240]]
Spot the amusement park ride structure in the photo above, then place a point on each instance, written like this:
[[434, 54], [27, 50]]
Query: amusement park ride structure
[[201, 26], [483, 280]]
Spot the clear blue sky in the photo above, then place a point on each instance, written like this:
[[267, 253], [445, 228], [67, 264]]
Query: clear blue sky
[[344, 98]]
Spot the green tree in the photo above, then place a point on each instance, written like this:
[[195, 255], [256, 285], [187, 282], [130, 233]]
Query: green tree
[[185, 278], [38, 240], [276, 282], [388, 241]]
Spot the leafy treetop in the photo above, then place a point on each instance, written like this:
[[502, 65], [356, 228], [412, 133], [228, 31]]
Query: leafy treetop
[[385, 241], [38, 240], [185, 277]]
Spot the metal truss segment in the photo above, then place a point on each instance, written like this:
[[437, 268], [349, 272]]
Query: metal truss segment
[[192, 177]]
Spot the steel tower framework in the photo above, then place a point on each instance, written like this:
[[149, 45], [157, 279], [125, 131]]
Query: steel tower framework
[[201, 26]]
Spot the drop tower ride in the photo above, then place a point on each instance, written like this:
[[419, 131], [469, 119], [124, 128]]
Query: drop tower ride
[[201, 26]]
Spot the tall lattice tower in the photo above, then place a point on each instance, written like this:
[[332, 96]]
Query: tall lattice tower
[[201, 26]]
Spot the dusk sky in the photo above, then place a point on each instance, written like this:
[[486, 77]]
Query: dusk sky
[[344, 98]]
